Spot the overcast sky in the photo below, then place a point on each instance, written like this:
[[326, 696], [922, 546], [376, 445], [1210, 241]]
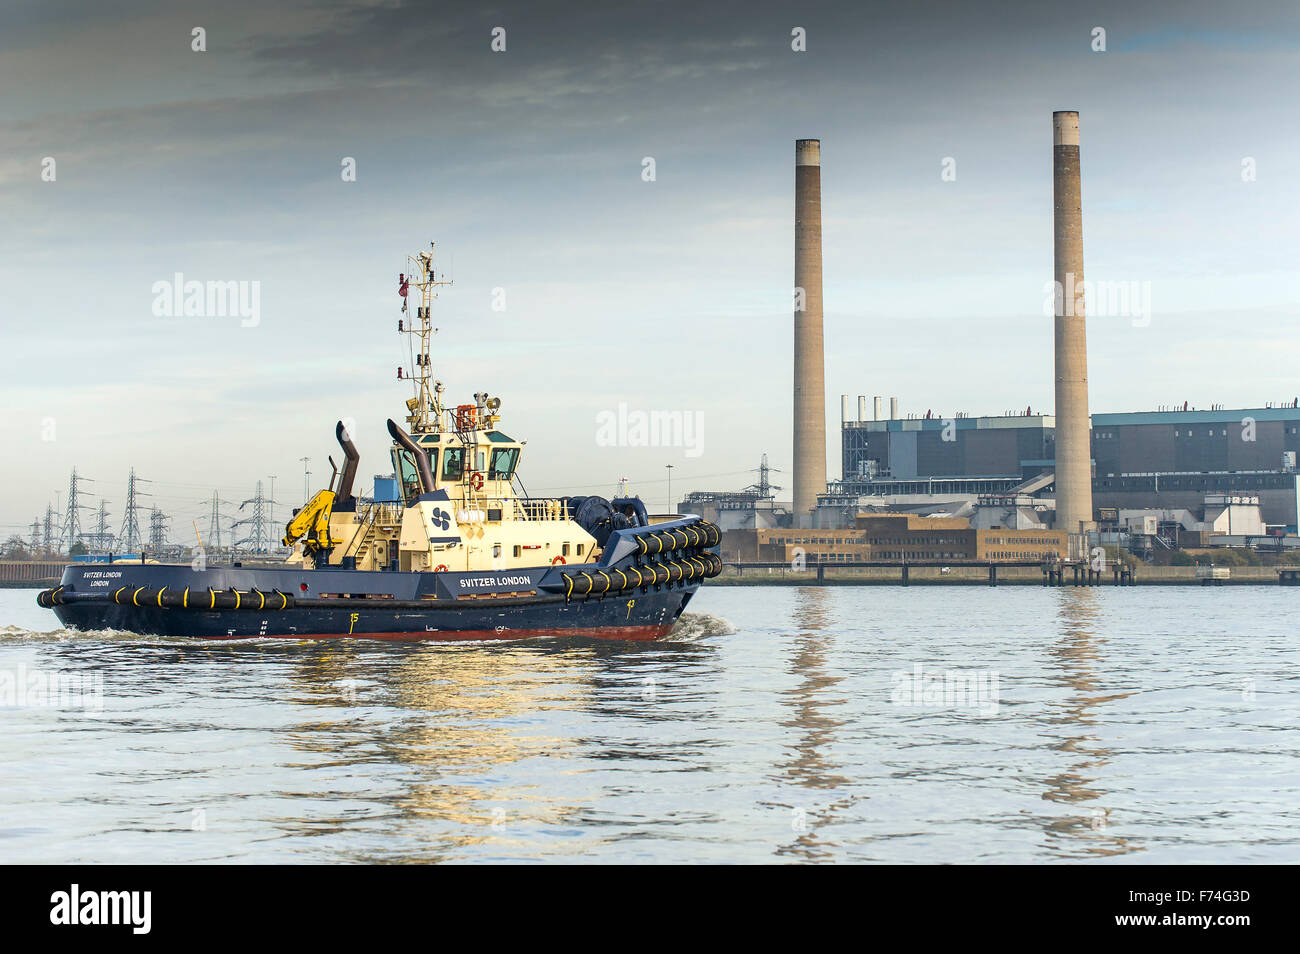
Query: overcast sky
[[525, 166]]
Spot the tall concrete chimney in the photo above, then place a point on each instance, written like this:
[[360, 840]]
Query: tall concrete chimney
[[809, 360], [1073, 448], [893, 408], [844, 409], [862, 407], [879, 409]]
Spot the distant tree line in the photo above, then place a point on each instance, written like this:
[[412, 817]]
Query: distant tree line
[[16, 548]]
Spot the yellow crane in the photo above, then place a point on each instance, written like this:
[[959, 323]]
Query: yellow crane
[[313, 522]]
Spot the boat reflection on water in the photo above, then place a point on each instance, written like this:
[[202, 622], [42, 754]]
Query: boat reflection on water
[[1078, 656], [465, 738], [436, 729]]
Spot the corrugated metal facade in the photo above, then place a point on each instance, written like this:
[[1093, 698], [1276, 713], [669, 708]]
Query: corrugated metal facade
[[1248, 439]]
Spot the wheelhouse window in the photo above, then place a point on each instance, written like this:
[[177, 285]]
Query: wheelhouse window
[[503, 463], [453, 463], [407, 474]]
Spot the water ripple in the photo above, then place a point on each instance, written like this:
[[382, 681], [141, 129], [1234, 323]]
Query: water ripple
[[781, 724]]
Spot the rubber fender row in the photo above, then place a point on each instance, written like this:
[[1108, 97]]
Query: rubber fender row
[[698, 534], [49, 598], [599, 582], [202, 599], [61, 596]]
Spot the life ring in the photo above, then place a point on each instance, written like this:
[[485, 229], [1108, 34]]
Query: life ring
[[476, 481], [440, 568], [558, 561]]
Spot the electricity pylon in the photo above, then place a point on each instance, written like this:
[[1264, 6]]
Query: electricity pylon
[[258, 534], [102, 536], [51, 543], [132, 537], [214, 523], [72, 515], [157, 528]]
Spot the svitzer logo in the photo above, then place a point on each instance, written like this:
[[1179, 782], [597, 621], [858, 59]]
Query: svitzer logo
[[473, 582], [103, 907]]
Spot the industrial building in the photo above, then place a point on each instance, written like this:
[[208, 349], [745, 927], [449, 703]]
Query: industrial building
[[899, 538], [1166, 459], [1224, 520], [1191, 441], [905, 455], [1185, 459], [753, 508]]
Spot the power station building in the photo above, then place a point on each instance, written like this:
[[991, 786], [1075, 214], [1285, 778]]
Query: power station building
[[895, 537], [1000, 451], [1177, 459], [1215, 441], [1170, 459]]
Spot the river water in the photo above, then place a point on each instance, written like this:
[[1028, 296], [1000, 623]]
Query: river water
[[780, 724]]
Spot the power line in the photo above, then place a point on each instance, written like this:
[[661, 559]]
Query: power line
[[641, 481]]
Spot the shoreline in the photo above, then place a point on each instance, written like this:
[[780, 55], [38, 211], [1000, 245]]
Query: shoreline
[[1006, 576]]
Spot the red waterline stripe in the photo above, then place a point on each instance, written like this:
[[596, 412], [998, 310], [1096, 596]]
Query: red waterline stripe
[[634, 633]]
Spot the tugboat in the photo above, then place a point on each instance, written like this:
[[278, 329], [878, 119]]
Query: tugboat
[[455, 552]]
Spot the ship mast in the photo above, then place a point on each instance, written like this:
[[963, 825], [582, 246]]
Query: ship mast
[[426, 407]]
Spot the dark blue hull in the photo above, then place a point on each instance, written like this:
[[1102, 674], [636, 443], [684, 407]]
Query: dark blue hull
[[636, 617]]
